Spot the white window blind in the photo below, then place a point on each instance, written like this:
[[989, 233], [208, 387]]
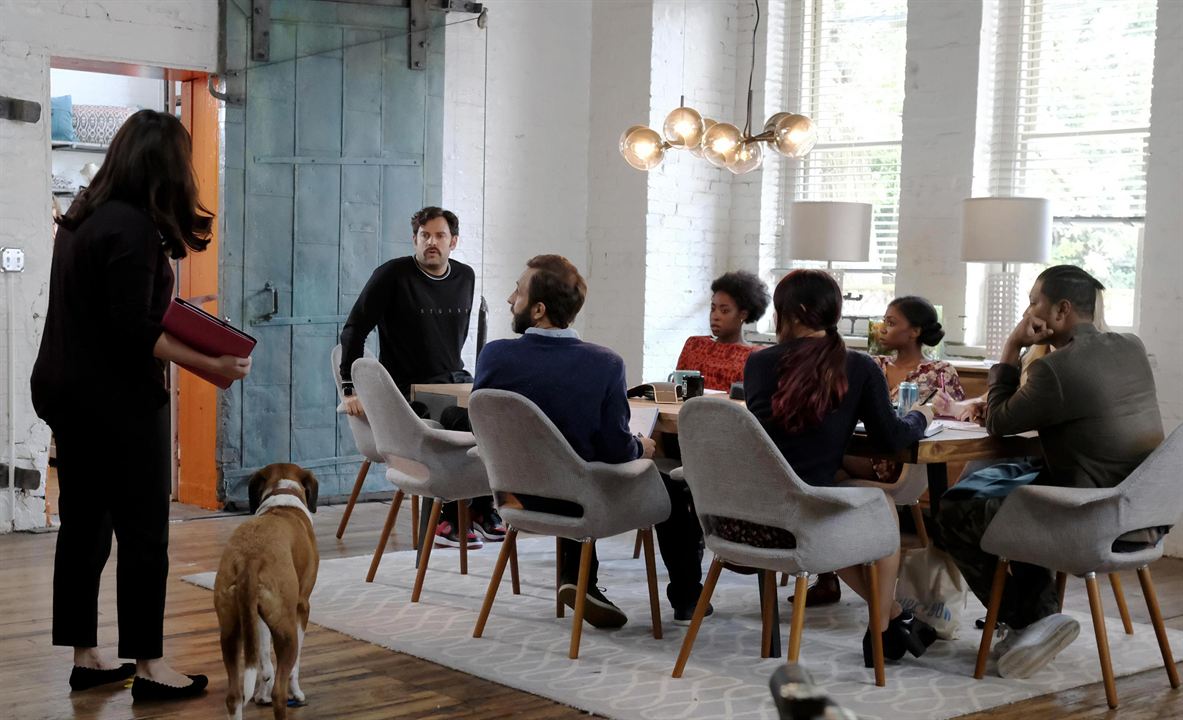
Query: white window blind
[[1071, 122], [844, 67]]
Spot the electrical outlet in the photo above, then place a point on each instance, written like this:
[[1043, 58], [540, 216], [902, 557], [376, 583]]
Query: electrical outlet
[[12, 260]]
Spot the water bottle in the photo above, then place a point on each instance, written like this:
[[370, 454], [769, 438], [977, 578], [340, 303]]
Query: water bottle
[[909, 394]]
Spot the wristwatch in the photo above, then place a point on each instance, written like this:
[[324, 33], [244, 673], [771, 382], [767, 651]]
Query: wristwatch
[[347, 389]]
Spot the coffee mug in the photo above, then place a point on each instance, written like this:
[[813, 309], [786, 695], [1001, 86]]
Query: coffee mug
[[692, 387], [678, 377]]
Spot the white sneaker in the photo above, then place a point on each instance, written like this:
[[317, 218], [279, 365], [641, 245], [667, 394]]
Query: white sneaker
[[1036, 645]]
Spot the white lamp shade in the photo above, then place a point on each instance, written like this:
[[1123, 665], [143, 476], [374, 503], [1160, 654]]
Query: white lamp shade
[[995, 229], [835, 231]]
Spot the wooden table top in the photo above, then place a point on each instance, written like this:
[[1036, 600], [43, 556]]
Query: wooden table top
[[949, 445]]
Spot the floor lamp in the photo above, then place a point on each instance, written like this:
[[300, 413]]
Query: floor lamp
[[830, 231], [1005, 230]]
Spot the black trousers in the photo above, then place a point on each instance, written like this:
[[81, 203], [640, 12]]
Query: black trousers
[[114, 475], [456, 418]]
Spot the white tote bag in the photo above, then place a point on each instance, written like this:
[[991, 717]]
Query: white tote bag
[[931, 587]]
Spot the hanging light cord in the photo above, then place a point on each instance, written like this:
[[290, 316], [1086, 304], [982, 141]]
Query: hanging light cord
[[747, 126], [484, 156], [683, 101]]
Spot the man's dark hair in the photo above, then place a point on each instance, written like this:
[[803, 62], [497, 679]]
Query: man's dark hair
[[557, 284], [1068, 282], [420, 219], [746, 289]]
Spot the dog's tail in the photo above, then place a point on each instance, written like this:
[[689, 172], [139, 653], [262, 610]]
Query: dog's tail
[[248, 617]]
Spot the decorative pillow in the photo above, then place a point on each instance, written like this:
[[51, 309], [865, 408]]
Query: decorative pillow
[[99, 123], [60, 125]]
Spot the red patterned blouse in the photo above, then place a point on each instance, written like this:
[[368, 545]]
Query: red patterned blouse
[[720, 363]]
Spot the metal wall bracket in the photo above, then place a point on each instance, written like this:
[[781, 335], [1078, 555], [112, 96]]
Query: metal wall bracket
[[19, 110], [261, 30], [419, 37]]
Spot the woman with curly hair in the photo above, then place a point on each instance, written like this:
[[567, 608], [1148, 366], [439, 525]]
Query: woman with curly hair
[[737, 298]]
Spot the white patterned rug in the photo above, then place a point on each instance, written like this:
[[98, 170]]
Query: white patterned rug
[[626, 673]]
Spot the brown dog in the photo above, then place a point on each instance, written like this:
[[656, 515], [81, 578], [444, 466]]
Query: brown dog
[[261, 592]]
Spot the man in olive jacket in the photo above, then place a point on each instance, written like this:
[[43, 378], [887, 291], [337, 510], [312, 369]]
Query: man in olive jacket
[[1094, 405]]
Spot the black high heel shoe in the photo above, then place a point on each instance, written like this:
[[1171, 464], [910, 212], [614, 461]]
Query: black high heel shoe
[[900, 637], [145, 689], [84, 678]]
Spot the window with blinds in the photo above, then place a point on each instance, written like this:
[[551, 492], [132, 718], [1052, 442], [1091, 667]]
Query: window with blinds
[[1071, 121], [844, 67]]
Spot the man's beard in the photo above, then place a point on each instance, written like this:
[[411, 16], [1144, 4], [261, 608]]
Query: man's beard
[[522, 322]]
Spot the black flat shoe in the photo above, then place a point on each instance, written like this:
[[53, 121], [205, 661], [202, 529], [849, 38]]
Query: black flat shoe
[[920, 630], [145, 689], [84, 678], [899, 638]]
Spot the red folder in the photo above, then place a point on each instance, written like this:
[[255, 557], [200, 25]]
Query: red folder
[[207, 335]]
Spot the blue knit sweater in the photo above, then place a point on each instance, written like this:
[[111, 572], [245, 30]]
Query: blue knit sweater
[[580, 386]]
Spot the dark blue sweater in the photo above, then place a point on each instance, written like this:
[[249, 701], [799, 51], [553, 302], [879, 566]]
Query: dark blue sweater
[[578, 385]]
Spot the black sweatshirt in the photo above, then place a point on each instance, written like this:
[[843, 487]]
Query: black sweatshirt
[[109, 286], [422, 322], [816, 454]]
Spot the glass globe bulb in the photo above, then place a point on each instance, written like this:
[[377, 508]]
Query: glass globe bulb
[[770, 126], [696, 150], [642, 148], [748, 158], [683, 128], [721, 143], [794, 136]]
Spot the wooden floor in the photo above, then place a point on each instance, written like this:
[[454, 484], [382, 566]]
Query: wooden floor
[[347, 678]]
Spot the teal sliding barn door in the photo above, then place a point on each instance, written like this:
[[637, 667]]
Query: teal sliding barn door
[[330, 145]]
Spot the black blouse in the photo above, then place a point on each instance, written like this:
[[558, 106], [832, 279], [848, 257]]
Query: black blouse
[[109, 286], [816, 454]]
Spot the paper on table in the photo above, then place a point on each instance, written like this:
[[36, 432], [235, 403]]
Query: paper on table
[[642, 420]]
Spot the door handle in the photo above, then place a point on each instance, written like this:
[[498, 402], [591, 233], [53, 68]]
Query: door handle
[[270, 287]]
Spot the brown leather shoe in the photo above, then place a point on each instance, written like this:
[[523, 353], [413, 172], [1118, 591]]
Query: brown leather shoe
[[826, 591]]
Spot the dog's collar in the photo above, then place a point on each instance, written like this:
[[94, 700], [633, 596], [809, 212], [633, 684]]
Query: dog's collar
[[276, 501]]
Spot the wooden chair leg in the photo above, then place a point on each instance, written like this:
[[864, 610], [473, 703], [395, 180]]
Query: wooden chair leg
[[784, 579], [651, 573], [432, 522], [390, 518], [797, 628], [560, 609], [996, 588], [507, 551], [637, 546], [462, 532], [585, 556], [918, 521], [700, 611], [1160, 631], [876, 629], [1102, 638], [767, 605], [1061, 585], [414, 522], [1122, 609], [361, 478], [513, 568]]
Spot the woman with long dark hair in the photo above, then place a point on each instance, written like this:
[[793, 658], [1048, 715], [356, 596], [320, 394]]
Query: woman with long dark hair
[[99, 383], [808, 392]]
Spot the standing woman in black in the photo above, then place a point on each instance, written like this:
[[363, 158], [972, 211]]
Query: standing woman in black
[[99, 383]]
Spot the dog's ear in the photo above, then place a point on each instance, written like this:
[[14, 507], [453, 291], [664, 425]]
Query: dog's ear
[[254, 491], [311, 487]]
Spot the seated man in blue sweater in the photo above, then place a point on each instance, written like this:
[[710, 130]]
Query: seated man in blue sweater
[[581, 388]]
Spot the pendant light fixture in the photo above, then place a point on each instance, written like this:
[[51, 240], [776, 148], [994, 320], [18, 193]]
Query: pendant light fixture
[[722, 144]]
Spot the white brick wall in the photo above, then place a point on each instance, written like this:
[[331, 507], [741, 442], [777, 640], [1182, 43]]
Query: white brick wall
[[166, 33]]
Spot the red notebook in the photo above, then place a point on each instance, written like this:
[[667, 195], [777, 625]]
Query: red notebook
[[206, 334]]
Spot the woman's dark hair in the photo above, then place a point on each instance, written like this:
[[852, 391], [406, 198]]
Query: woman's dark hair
[[920, 314], [747, 290], [1068, 282], [812, 373], [149, 165], [557, 284], [431, 212]]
